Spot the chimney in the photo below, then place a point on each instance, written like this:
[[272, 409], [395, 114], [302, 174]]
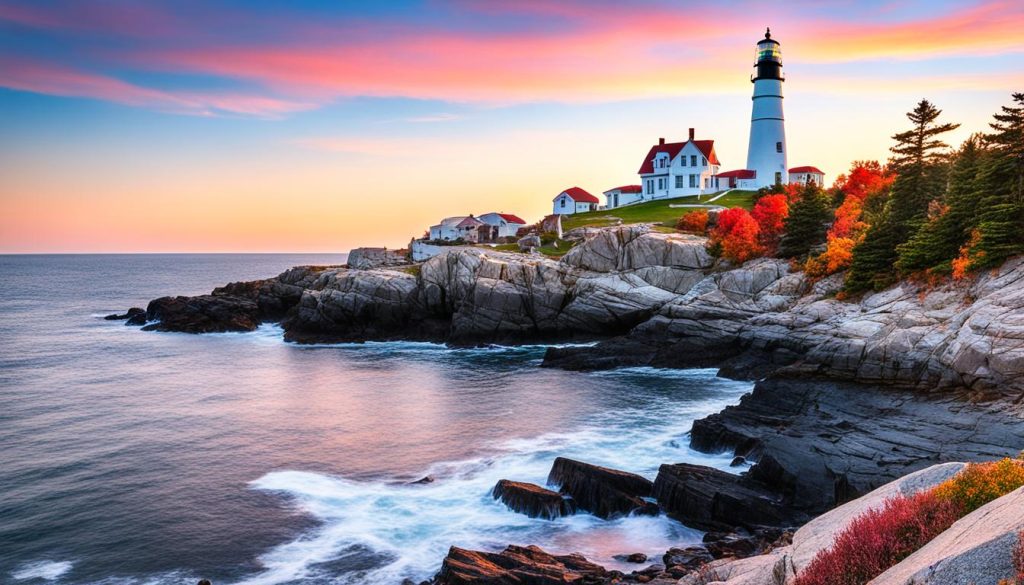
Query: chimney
[[661, 142], [691, 133]]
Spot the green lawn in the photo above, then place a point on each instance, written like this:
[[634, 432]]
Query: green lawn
[[654, 211]]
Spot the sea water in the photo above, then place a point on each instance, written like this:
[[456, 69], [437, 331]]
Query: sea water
[[137, 457]]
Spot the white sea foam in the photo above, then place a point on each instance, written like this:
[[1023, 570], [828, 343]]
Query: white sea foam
[[46, 570], [406, 529]]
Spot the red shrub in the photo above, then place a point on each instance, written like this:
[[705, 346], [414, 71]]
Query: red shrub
[[736, 235], [695, 221], [878, 539], [770, 214]]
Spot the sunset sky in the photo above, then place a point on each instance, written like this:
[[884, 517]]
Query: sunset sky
[[252, 126]]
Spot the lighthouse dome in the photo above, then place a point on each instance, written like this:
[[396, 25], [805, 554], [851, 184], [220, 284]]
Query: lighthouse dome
[[768, 49]]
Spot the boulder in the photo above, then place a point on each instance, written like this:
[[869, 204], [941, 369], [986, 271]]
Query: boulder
[[710, 499], [601, 491], [516, 565], [690, 558], [533, 500], [529, 243], [367, 258], [202, 314], [977, 549]]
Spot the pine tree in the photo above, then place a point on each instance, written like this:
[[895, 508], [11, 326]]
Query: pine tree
[[950, 221], [807, 222], [1001, 190], [920, 165]]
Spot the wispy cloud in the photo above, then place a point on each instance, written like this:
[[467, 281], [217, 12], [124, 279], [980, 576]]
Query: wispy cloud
[[469, 51]]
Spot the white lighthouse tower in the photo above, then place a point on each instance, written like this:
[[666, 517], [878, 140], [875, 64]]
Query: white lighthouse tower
[[766, 153]]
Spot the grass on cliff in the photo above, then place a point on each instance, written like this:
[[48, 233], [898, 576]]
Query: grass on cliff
[[655, 211]]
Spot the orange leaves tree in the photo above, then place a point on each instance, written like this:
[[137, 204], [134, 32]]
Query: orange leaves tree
[[735, 236], [695, 221]]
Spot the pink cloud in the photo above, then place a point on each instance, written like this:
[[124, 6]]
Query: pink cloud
[[47, 78]]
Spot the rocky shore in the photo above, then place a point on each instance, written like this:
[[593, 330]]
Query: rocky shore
[[851, 394]]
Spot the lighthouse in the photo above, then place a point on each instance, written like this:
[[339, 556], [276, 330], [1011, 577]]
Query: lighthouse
[[766, 152]]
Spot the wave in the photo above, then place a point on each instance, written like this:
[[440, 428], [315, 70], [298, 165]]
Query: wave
[[45, 570], [388, 530]]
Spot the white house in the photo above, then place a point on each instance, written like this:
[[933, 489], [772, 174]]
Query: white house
[[624, 195], [679, 169], [447, 229], [805, 174], [738, 179], [574, 200], [507, 224]]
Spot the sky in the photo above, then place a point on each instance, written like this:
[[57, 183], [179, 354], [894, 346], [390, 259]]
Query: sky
[[256, 126]]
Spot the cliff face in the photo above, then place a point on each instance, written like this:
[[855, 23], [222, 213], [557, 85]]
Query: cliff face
[[665, 300]]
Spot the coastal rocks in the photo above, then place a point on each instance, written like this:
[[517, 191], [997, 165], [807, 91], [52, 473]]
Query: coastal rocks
[[533, 500], [781, 561], [601, 491], [689, 558], [710, 499], [635, 247], [132, 312], [366, 258], [202, 314], [821, 443], [517, 565]]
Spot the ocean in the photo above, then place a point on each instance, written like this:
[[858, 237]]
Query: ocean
[[133, 457]]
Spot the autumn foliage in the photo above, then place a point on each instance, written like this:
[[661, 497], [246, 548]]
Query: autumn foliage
[[878, 539], [770, 213], [980, 483], [695, 221], [736, 236]]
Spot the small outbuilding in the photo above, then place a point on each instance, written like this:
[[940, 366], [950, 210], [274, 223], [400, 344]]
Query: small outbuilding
[[806, 175], [574, 200], [624, 195]]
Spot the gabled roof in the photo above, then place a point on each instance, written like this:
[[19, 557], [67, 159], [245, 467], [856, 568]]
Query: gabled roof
[[579, 195], [627, 189], [470, 222], [738, 174], [512, 218], [706, 147], [806, 170]]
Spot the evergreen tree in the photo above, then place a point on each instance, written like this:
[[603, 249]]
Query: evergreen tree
[[920, 164], [1000, 195], [807, 222], [950, 221]]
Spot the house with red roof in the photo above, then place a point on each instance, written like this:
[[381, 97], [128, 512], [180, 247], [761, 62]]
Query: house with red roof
[[679, 169], [504, 225], [807, 174], [624, 195], [574, 200]]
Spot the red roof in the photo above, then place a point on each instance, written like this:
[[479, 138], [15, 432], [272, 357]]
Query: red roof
[[706, 147], [806, 170], [579, 195], [511, 218], [738, 174], [627, 189]]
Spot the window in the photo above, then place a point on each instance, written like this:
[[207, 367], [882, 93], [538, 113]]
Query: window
[[693, 181], [704, 161], [679, 181], [650, 186], [661, 184], [693, 160], [778, 147], [563, 201], [778, 178]]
